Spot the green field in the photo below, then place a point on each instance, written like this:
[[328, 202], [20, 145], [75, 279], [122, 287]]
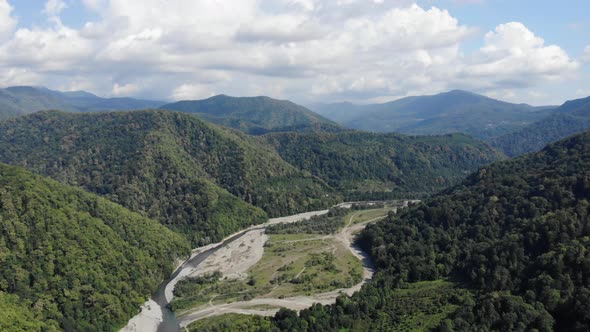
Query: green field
[[366, 215], [420, 306], [293, 264]]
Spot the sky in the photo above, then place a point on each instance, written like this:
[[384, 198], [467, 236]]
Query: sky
[[308, 51]]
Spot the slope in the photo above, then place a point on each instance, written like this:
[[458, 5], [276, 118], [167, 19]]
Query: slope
[[20, 100], [254, 115], [378, 166], [449, 112], [513, 238], [72, 260], [570, 118], [170, 166]]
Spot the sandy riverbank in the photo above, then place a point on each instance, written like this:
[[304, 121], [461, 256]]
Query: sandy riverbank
[[345, 236]]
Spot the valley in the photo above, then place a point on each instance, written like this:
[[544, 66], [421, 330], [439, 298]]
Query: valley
[[251, 271], [294, 166]]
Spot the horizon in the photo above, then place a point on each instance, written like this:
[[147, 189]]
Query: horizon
[[307, 51], [309, 106]]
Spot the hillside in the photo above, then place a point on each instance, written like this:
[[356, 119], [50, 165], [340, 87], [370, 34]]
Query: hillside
[[571, 118], [74, 261], [173, 167], [254, 115], [511, 242], [20, 100], [379, 166], [449, 112]]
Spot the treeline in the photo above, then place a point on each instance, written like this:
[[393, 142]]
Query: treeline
[[327, 223], [74, 261]]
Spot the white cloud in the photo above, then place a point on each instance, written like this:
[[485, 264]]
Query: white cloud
[[514, 57], [17, 76], [54, 7], [125, 89], [7, 22], [191, 91], [586, 55], [301, 49], [56, 49]]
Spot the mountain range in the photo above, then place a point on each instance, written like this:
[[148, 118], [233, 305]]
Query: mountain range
[[97, 206], [513, 129], [255, 115], [20, 100], [449, 112], [570, 118]]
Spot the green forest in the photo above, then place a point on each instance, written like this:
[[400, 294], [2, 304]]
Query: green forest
[[207, 182], [75, 261], [255, 115], [194, 178], [506, 250], [366, 166], [571, 118]]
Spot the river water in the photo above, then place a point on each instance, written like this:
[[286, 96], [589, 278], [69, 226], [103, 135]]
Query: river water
[[169, 322]]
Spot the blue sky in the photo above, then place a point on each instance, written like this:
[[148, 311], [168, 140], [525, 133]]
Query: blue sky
[[305, 50]]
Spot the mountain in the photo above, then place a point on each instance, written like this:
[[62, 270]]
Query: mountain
[[506, 250], [19, 100], [449, 112], [254, 115], [72, 260], [378, 166], [197, 179], [570, 118]]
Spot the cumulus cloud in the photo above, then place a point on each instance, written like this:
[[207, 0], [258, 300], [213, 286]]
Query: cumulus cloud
[[125, 89], [191, 91], [301, 49], [7, 22], [512, 54]]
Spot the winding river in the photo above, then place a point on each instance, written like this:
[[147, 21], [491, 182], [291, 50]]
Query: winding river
[[155, 315]]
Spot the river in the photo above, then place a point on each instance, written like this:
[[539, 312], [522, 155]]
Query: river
[[155, 315]]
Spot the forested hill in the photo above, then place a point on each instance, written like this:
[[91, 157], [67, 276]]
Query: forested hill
[[513, 237], [255, 115], [20, 100], [365, 165], [570, 118], [449, 112], [74, 261], [173, 167]]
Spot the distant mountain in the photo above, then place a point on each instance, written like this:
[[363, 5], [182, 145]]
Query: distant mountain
[[254, 115], [570, 118], [449, 112], [193, 177], [73, 261], [365, 165], [20, 100]]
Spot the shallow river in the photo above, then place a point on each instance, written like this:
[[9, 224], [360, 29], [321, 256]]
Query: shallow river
[[155, 315]]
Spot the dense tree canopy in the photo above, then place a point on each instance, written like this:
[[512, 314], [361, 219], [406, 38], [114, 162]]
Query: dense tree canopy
[[73, 260], [169, 166], [513, 239], [570, 118], [383, 166], [255, 115]]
